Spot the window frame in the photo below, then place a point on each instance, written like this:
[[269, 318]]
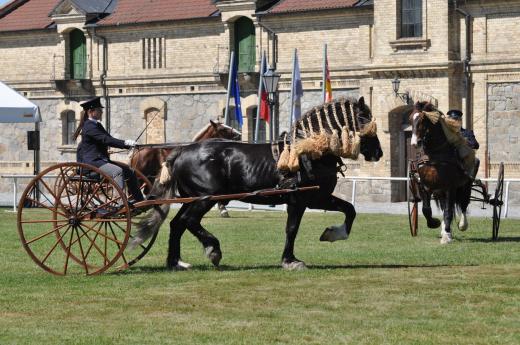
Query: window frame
[[417, 26], [68, 117]]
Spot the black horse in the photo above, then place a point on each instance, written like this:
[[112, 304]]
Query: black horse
[[220, 166]]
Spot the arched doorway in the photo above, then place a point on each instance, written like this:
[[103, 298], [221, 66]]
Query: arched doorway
[[245, 44], [154, 133], [401, 149], [78, 54]]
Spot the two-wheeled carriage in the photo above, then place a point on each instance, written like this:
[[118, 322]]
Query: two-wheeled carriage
[[73, 217], [480, 194]]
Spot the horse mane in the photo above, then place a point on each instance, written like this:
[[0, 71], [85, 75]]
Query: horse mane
[[201, 132]]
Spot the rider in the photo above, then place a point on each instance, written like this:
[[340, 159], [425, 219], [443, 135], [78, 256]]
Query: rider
[[93, 148], [468, 134]]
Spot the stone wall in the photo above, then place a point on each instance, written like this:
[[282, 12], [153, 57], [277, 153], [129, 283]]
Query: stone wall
[[503, 126]]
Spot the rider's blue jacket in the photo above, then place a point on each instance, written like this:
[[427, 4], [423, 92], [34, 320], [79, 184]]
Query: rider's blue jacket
[[470, 138], [95, 140]]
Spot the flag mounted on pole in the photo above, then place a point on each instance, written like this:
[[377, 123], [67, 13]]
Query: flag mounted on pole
[[296, 90], [264, 105], [327, 87], [235, 90]]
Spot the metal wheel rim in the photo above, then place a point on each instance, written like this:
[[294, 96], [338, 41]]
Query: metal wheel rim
[[497, 207]]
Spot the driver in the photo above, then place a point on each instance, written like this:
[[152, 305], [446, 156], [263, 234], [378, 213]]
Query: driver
[[93, 148], [468, 134]]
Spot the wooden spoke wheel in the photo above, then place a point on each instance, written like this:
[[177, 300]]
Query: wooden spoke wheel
[[132, 256], [73, 222], [497, 201], [413, 202]]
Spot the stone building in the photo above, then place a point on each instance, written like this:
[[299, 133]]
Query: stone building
[[166, 62]]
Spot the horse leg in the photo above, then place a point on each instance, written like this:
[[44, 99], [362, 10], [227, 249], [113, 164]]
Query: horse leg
[[177, 228], [448, 206], [294, 216], [463, 199], [342, 231], [194, 215], [431, 221], [222, 209]]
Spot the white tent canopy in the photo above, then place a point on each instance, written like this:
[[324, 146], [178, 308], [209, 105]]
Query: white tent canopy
[[15, 108]]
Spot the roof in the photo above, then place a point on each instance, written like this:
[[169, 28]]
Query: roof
[[91, 6], [26, 15], [145, 11], [287, 6], [34, 14]]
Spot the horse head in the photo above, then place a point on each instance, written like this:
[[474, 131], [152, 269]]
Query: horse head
[[223, 131], [426, 130], [370, 146]]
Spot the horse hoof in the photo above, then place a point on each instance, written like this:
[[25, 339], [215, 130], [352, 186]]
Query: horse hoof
[[184, 265], [224, 214], [294, 266], [214, 255], [334, 233], [463, 224], [434, 223], [446, 238]]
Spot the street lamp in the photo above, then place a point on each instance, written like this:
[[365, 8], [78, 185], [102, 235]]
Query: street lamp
[[404, 96], [271, 79]]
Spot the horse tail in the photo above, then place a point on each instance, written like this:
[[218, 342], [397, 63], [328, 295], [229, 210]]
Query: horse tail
[[161, 190]]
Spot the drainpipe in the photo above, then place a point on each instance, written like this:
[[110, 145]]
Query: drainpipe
[[274, 42], [469, 82], [467, 68], [103, 76]]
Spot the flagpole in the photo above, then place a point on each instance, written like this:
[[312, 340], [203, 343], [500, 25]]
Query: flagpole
[[230, 72], [291, 111], [259, 102], [324, 78]]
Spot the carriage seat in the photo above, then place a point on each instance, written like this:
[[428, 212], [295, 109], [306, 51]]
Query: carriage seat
[[86, 175]]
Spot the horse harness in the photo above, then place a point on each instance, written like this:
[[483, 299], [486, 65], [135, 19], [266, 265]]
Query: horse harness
[[307, 173]]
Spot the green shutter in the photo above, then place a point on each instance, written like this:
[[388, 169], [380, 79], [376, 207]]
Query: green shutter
[[245, 44], [78, 54]]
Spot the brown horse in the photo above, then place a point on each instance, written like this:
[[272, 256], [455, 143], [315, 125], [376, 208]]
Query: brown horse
[[148, 160], [440, 171]]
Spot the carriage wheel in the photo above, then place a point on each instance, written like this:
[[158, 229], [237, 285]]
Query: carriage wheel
[[413, 203], [497, 201], [130, 257], [75, 223]]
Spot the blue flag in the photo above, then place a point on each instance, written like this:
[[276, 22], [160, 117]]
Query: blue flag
[[235, 89]]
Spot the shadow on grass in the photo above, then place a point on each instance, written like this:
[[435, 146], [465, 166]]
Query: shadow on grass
[[228, 268], [490, 240]]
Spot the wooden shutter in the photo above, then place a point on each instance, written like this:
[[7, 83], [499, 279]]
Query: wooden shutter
[[245, 42], [78, 54]]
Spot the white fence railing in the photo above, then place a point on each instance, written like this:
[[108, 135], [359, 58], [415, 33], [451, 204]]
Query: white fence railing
[[355, 180]]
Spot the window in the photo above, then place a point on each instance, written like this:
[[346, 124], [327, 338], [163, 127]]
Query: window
[[245, 44], [154, 122], [154, 52], [68, 126], [78, 54], [411, 18]]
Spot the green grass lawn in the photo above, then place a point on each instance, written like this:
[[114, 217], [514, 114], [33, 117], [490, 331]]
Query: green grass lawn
[[379, 287]]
